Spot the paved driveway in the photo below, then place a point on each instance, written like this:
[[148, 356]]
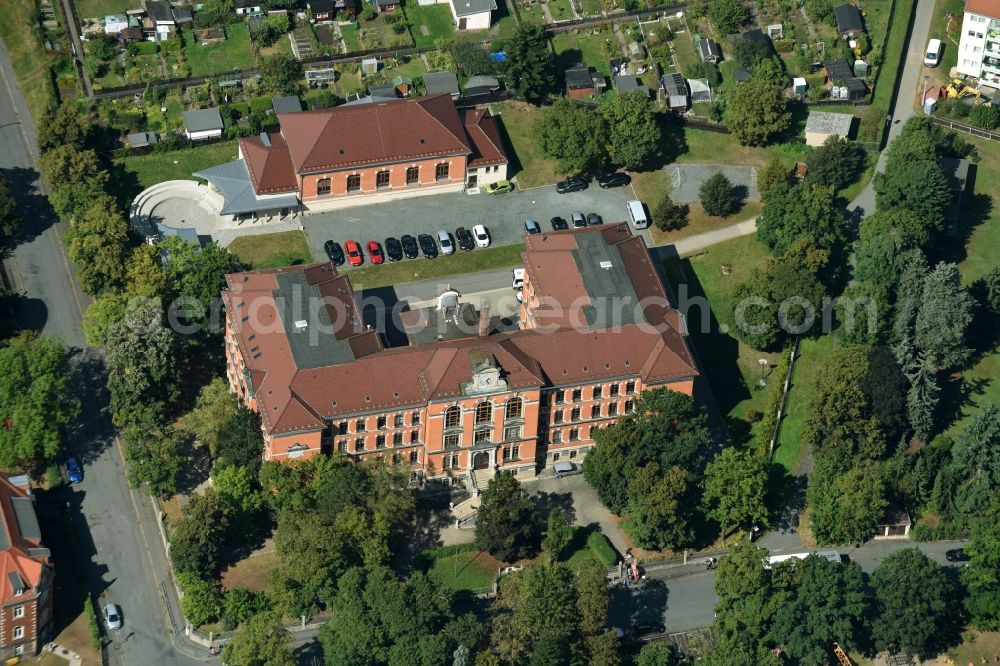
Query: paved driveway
[[575, 496], [503, 214]]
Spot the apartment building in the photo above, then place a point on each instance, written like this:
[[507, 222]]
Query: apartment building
[[979, 48], [450, 389]]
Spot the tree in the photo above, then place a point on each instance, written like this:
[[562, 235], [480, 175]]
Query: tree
[[196, 273], [633, 131], [212, 413], [846, 504], [531, 68], [558, 534], [669, 216], [143, 273], [736, 489], [943, 318], [772, 174], [750, 53], [885, 387], [908, 229], [593, 598], [728, 16], [198, 542], [836, 163], [918, 186], [914, 605], [505, 521], [103, 311], [262, 641], [76, 176], [800, 210], [153, 451], [472, 59], [658, 653], [98, 244], [976, 456], [743, 584], [9, 221], [985, 116], [981, 576], [922, 395], [238, 486], [574, 135], [666, 427], [35, 407], [69, 124], [201, 603], [241, 604], [241, 443], [280, 74], [718, 197], [830, 602], [653, 516], [536, 611], [756, 111]]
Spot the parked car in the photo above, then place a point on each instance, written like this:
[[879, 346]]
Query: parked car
[[956, 555], [648, 630], [499, 187], [375, 253], [428, 246], [446, 241], [616, 179], [482, 235], [561, 469], [465, 241], [594, 220], [354, 255], [532, 227], [409, 246], [518, 280], [558, 224], [571, 185], [73, 471], [393, 249], [578, 220], [113, 616], [335, 252]]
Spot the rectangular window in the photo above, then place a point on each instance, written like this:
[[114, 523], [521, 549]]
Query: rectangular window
[[397, 421], [629, 388], [18, 633], [512, 452], [354, 182], [574, 414], [414, 436], [512, 432], [972, 33], [574, 434], [441, 172], [613, 409], [577, 395], [18, 650], [614, 390], [396, 459], [559, 397], [556, 437], [397, 438], [414, 457], [629, 406], [323, 187], [18, 612], [453, 417], [415, 418], [572, 454], [380, 442], [451, 462], [557, 417], [595, 412], [555, 457], [481, 436], [359, 444], [360, 425], [382, 180], [380, 423], [342, 428], [598, 392], [451, 441], [342, 446], [413, 175]]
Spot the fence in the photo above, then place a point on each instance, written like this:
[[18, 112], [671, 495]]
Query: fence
[[968, 129]]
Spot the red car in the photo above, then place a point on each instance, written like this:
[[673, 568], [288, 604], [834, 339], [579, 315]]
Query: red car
[[354, 256], [375, 252]]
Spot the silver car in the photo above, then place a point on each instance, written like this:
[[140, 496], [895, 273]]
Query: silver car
[[113, 616], [561, 469], [446, 242]]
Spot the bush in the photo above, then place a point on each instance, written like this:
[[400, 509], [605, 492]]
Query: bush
[[95, 629], [985, 117], [728, 16], [717, 196], [368, 13], [601, 547], [669, 216], [784, 45]]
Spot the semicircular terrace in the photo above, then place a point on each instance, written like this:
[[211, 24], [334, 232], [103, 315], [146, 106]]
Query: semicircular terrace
[[176, 207]]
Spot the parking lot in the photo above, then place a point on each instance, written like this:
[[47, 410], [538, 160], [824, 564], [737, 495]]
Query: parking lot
[[503, 214]]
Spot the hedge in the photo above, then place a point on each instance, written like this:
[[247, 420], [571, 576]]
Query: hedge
[[602, 548], [427, 557], [95, 629], [764, 429]]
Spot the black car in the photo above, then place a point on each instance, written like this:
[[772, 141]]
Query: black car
[[465, 239], [558, 224], [409, 246], [594, 220], [335, 252], [393, 249], [571, 185], [648, 630], [956, 555], [428, 246], [617, 179]]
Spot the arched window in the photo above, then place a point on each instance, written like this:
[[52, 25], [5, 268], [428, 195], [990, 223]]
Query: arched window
[[453, 417], [484, 412], [515, 407]]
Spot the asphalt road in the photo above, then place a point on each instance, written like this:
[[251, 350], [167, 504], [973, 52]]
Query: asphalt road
[[118, 566]]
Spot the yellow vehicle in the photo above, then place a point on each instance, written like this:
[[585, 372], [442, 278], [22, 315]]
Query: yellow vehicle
[[957, 90]]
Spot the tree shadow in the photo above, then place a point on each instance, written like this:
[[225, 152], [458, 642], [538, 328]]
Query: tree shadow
[[673, 143], [93, 432], [645, 602], [546, 502], [959, 393], [564, 61], [976, 209], [786, 498], [432, 515], [196, 469], [514, 167], [33, 207], [123, 184]]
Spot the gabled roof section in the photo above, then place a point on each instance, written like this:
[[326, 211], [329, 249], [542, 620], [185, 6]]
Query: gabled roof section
[[989, 8], [484, 137], [23, 558], [377, 133], [269, 163]]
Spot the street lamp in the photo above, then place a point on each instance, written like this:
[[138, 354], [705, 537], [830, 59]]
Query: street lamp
[[763, 364]]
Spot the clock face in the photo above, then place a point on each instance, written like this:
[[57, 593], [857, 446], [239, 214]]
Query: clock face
[[487, 380]]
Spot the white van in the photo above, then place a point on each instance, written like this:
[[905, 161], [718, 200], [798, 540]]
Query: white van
[[933, 55], [637, 214]]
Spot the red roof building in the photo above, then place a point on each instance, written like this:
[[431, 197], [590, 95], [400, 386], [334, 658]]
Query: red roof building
[[448, 390], [25, 572], [361, 153]]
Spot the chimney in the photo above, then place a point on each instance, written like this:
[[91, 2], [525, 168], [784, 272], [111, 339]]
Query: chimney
[[484, 319]]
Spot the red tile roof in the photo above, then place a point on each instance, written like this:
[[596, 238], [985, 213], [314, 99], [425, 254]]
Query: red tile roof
[[989, 8], [487, 147], [270, 167], [15, 558], [379, 133]]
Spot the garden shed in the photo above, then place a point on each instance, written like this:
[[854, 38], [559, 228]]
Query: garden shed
[[709, 50], [821, 125], [203, 124], [849, 23], [700, 90], [287, 104], [839, 73], [438, 83], [582, 82], [674, 90], [627, 84]]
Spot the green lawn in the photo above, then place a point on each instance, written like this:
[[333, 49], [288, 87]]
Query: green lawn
[[218, 58], [436, 18], [560, 10], [455, 264], [531, 168], [684, 50], [813, 353], [586, 47], [178, 164], [873, 118], [592, 7], [100, 8], [28, 58], [285, 248], [939, 29], [471, 570], [350, 35]]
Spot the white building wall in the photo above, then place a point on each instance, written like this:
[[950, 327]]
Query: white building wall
[[207, 134], [972, 44], [480, 21], [490, 174]]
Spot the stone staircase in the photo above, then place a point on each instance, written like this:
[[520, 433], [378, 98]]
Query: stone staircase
[[482, 477]]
